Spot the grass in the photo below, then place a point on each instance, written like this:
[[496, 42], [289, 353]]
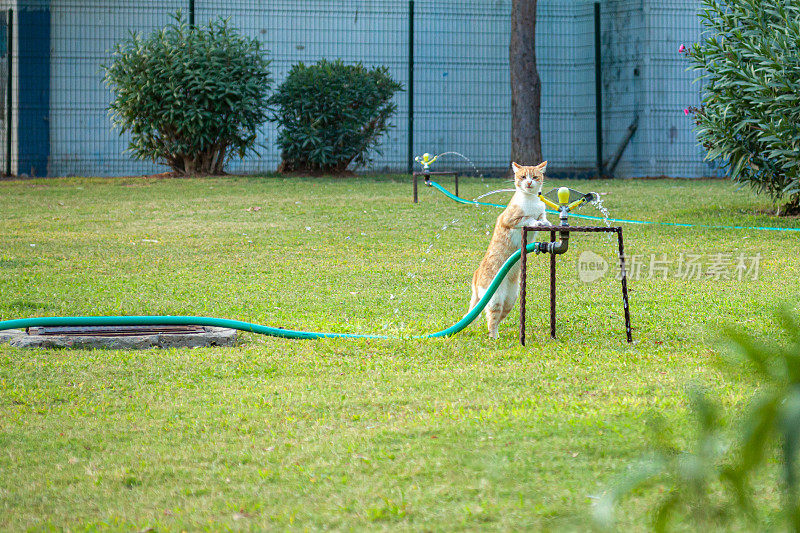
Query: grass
[[458, 433]]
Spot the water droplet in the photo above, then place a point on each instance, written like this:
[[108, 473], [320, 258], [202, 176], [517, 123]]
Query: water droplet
[[492, 192], [465, 158]]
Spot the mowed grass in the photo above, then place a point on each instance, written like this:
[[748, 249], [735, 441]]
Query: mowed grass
[[457, 433]]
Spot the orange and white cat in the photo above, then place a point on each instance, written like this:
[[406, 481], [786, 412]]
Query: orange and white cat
[[524, 209]]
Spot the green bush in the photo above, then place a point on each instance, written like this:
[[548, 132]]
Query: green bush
[[331, 114], [750, 113], [712, 480], [190, 97]]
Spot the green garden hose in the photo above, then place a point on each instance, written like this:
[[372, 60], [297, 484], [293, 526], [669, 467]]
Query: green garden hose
[[241, 325], [617, 220]]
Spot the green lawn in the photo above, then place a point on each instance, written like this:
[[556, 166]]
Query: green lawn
[[457, 433]]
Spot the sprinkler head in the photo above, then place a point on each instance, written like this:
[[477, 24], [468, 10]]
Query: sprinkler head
[[563, 195], [567, 198], [426, 160]]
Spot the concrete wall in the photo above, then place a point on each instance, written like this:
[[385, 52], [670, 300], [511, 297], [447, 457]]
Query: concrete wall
[[5, 5], [462, 94], [644, 76]]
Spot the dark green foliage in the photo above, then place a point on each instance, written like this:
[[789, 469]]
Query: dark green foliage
[[331, 114], [750, 115], [190, 97], [712, 480], [773, 419], [689, 480]]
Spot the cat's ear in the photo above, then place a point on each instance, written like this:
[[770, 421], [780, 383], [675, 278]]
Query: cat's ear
[[542, 167], [515, 167]]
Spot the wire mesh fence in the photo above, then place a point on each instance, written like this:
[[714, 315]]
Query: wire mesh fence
[[59, 123]]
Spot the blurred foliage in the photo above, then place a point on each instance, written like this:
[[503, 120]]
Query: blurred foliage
[[750, 114], [191, 97], [711, 481], [331, 115]]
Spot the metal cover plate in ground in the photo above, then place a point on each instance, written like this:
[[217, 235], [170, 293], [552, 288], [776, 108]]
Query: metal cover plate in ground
[[207, 336], [115, 331]]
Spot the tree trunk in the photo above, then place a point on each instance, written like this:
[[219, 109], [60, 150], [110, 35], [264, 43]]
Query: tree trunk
[[790, 208], [526, 89]]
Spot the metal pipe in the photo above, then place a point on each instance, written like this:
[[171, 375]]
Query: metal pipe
[[598, 89], [523, 285], [624, 280], [562, 245], [552, 288], [410, 162], [9, 89], [624, 144]]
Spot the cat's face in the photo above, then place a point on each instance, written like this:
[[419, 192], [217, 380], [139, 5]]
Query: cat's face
[[529, 179]]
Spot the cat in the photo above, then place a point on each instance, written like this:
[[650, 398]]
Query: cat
[[524, 209]]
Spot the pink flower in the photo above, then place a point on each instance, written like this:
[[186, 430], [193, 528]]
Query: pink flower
[[682, 49], [686, 111]]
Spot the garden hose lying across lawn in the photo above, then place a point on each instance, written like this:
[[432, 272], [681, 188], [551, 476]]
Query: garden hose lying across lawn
[[241, 325], [601, 219], [272, 331]]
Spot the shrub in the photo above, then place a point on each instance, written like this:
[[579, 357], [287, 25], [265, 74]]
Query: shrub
[[750, 113], [191, 97], [713, 479], [331, 114]]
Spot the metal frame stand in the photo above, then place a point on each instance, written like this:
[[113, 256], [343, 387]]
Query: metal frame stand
[[523, 274], [427, 176]]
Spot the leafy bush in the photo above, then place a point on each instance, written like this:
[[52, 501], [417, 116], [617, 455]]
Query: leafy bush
[[190, 96], [750, 113], [331, 114], [712, 480]]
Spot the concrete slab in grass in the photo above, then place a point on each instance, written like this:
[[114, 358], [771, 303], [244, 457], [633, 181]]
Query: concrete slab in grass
[[211, 336], [7, 334]]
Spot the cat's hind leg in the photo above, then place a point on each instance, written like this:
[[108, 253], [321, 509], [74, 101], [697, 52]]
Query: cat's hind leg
[[474, 299], [493, 317], [501, 304], [477, 294], [511, 295]]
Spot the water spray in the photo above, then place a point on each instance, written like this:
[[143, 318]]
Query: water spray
[[426, 160]]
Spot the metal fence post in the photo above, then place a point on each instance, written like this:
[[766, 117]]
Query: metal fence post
[[410, 88], [598, 89], [9, 88]]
